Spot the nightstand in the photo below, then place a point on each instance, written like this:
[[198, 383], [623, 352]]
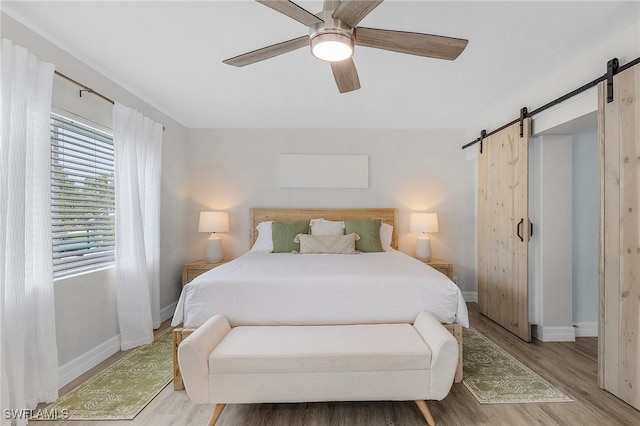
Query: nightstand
[[193, 269], [442, 266]]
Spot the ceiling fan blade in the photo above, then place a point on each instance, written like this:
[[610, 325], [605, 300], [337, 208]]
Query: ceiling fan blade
[[345, 75], [431, 46], [268, 52], [293, 11], [354, 11]]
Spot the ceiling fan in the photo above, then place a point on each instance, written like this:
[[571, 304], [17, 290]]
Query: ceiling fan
[[333, 34]]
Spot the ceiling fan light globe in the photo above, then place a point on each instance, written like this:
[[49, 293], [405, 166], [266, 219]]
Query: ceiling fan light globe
[[332, 47]]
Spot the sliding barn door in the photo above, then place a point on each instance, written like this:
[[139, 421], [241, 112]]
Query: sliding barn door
[[619, 326], [503, 229]]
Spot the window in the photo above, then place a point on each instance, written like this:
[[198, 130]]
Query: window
[[82, 197]]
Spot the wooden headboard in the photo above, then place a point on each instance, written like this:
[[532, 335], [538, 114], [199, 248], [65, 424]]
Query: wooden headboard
[[387, 215]]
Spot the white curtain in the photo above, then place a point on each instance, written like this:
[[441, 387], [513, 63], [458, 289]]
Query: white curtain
[[137, 141], [28, 351]]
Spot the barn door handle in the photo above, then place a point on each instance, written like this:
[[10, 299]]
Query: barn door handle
[[518, 229], [530, 229]]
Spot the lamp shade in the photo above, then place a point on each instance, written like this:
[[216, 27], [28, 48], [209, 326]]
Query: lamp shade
[[214, 222], [424, 222]]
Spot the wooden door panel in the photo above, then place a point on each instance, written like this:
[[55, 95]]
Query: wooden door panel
[[619, 326], [502, 210]]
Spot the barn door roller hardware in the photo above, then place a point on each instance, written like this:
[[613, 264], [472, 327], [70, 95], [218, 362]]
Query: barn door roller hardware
[[483, 134], [613, 68], [523, 115]]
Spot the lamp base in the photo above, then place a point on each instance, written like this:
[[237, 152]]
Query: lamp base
[[214, 249], [423, 248]]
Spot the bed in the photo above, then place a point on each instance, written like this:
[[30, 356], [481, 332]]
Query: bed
[[265, 288]]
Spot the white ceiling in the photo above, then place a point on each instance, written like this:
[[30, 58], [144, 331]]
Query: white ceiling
[[169, 53]]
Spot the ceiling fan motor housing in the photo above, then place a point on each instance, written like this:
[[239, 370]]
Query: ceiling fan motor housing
[[331, 30]]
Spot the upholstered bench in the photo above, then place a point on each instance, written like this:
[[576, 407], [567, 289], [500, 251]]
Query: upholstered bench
[[284, 364]]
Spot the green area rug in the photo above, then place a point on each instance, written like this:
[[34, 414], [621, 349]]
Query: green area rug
[[495, 377], [121, 391]]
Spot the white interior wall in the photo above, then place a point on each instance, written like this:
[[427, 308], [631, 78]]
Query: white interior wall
[[412, 170], [585, 231], [556, 234], [86, 317]]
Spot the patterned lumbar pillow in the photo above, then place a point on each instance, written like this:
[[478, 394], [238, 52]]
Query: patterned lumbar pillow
[[331, 244]]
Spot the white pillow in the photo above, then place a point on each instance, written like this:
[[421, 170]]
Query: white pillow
[[264, 242], [326, 227], [386, 235]]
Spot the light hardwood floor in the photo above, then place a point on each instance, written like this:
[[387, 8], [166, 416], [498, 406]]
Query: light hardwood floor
[[572, 367]]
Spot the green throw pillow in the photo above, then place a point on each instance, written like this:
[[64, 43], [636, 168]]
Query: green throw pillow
[[369, 232], [283, 234]]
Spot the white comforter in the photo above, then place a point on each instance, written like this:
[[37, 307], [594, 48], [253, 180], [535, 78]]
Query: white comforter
[[268, 289]]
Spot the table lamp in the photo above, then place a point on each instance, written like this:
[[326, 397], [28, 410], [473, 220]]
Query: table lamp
[[214, 222], [424, 223]]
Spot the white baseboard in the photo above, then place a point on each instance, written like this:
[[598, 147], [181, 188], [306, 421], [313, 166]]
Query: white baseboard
[[586, 329], [553, 334], [85, 362], [470, 296], [167, 311]]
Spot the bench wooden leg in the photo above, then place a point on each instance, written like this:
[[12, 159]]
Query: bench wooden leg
[[456, 330], [178, 335], [422, 406], [216, 414]]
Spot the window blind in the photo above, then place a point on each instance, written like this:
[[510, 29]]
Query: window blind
[[82, 197]]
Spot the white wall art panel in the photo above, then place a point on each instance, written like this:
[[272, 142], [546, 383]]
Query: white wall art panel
[[324, 171]]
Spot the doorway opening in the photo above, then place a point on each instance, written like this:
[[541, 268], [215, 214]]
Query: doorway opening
[[563, 262]]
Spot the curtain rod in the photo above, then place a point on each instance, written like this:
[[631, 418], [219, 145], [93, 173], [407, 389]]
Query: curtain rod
[[88, 89], [558, 100], [84, 88]]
